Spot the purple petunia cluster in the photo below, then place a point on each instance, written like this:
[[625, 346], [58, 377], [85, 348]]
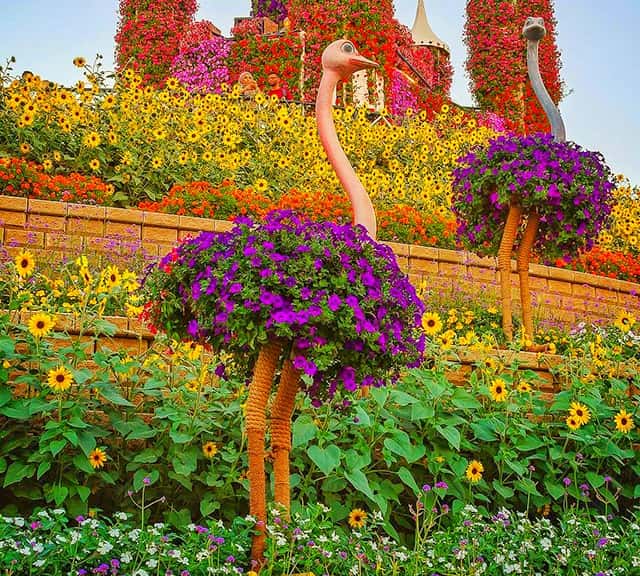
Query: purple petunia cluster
[[338, 298], [274, 9], [202, 68], [570, 188]]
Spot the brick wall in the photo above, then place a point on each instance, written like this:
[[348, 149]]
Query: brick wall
[[560, 296]]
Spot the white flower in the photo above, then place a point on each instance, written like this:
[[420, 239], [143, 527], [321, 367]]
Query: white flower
[[39, 563], [37, 548], [151, 563], [202, 555], [121, 516], [126, 558], [18, 521], [151, 550], [44, 514], [134, 534], [140, 572], [58, 511], [545, 544], [104, 547], [114, 532]]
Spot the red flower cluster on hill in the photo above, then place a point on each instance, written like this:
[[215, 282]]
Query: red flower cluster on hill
[[149, 34]]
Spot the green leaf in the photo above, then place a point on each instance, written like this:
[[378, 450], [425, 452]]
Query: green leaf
[[356, 460], [5, 396], [519, 468], [420, 411], [18, 410], [379, 395], [359, 481], [326, 459], [83, 492], [529, 443], [57, 446], [484, 430], [363, 417], [43, 468], [503, 490], [71, 436], [208, 505], [401, 444], [138, 430], [451, 435], [527, 485], [81, 462], [463, 399], [86, 441], [401, 398], [408, 479], [147, 456], [59, 494], [180, 437], [140, 475], [18, 471], [184, 480], [185, 462], [112, 395], [304, 430], [596, 480], [102, 326], [556, 491]]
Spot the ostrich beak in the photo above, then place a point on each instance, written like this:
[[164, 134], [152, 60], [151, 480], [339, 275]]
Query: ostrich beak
[[361, 63]]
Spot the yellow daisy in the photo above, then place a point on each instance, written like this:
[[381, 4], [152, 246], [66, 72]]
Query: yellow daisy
[[79, 62], [572, 422], [59, 379], [40, 324], [97, 458], [357, 518], [498, 390], [624, 321], [431, 323], [624, 421], [474, 471], [209, 449], [580, 412], [25, 263], [524, 387]]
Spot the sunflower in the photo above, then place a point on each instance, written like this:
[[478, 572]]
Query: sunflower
[[47, 165], [92, 140], [624, 321], [97, 458], [112, 276], [447, 339], [79, 62], [209, 449], [498, 390], [572, 422], [624, 421], [25, 263], [60, 379], [524, 387], [94, 164], [357, 518], [25, 148], [580, 412], [474, 471], [261, 185], [40, 324], [431, 323], [156, 162]]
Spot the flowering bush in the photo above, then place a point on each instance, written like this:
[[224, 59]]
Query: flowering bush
[[149, 33], [497, 60], [202, 67], [570, 188], [352, 316], [274, 9]]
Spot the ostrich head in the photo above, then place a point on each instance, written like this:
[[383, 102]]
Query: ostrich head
[[534, 29], [343, 58]]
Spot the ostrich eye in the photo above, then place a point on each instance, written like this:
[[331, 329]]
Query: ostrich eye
[[348, 48]]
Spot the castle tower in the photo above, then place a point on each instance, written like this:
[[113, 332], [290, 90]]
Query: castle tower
[[423, 34]]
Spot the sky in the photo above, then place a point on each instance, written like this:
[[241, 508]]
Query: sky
[[600, 65]]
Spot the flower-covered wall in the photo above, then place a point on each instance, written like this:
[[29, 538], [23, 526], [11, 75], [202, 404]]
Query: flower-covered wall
[[274, 9], [149, 33], [497, 60]]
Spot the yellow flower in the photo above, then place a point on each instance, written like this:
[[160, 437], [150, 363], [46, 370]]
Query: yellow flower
[[572, 422], [524, 387], [431, 323], [261, 185], [25, 263], [474, 471], [47, 165], [79, 62], [624, 321], [59, 379], [25, 148], [94, 164], [40, 324], [498, 390], [156, 162], [112, 276], [580, 412], [357, 518], [624, 421], [92, 140], [97, 458], [447, 339], [209, 449]]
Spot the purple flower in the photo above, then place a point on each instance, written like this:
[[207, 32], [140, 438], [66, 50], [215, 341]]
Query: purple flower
[[442, 485], [566, 481], [426, 488], [334, 302]]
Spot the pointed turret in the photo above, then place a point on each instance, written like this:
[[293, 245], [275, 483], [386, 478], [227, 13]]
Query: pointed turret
[[422, 33]]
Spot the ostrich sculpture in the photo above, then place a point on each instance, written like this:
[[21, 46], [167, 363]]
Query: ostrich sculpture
[[533, 30], [339, 61]]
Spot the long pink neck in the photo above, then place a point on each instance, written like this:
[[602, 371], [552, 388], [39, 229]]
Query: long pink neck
[[363, 212]]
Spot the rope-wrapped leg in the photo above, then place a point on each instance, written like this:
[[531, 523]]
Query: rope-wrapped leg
[[524, 256], [504, 265], [281, 413], [259, 391]]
